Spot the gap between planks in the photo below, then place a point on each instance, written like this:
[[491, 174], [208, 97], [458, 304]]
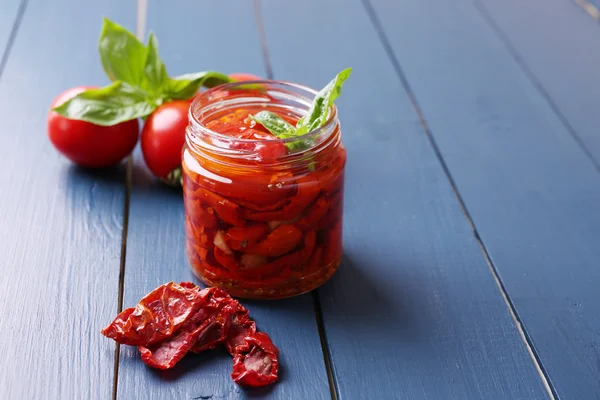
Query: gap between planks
[[140, 31], [141, 16], [315, 296], [407, 88], [13, 34], [333, 387], [487, 16], [262, 37], [128, 175]]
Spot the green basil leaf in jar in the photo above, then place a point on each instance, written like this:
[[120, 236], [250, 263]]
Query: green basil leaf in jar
[[274, 123], [319, 111]]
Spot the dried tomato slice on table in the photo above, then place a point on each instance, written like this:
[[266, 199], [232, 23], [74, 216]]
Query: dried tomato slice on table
[[174, 319]]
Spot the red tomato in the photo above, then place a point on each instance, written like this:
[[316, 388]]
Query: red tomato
[[87, 144], [243, 76], [163, 137]]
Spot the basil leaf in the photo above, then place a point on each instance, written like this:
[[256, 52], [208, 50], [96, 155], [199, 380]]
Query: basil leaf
[[154, 69], [318, 113], [122, 54], [110, 105], [299, 145], [210, 79], [187, 86], [282, 129], [274, 123], [316, 117]]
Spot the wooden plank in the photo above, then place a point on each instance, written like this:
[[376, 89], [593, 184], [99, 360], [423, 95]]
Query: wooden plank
[[564, 62], [60, 236], [8, 18], [413, 312], [531, 191], [155, 246]]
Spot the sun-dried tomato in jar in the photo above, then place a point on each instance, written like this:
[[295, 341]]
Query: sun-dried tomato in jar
[[263, 214]]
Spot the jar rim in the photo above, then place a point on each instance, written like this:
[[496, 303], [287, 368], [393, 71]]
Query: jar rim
[[193, 118]]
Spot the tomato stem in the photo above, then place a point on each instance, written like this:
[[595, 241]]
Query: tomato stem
[[174, 178]]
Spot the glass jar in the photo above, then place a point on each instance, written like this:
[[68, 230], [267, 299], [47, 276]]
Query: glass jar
[[262, 224]]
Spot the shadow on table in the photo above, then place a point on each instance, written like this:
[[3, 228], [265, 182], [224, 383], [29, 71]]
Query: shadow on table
[[142, 181], [193, 364], [362, 296], [109, 175], [205, 364]]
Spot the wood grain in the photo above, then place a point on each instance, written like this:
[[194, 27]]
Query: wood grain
[[60, 236], [531, 191], [413, 312], [217, 35], [563, 63]]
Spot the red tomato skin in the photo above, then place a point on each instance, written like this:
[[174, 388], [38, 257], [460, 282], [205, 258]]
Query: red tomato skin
[[244, 76], [87, 144], [163, 137]]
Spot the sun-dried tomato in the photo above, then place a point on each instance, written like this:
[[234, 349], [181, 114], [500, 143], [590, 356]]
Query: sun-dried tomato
[[256, 363], [157, 316], [313, 215], [270, 219], [165, 328], [229, 327], [211, 335], [239, 326], [277, 243], [167, 353], [240, 238], [227, 210]]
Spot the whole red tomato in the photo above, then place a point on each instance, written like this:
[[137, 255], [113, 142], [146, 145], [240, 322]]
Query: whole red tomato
[[87, 144], [163, 137], [243, 76]]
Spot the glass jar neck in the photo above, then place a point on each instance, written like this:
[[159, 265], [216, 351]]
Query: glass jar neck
[[284, 99]]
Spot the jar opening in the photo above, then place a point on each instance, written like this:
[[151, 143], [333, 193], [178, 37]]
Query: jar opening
[[282, 98]]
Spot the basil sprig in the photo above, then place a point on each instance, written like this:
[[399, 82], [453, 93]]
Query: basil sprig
[[273, 123], [140, 81], [118, 102], [316, 117]]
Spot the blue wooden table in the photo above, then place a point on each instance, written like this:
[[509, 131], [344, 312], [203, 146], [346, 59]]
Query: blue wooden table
[[472, 217]]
